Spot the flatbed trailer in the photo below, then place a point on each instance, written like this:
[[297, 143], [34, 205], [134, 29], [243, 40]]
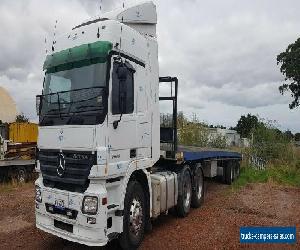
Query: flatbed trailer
[[223, 164], [20, 170]]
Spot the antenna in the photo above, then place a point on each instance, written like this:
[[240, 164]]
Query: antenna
[[54, 35], [100, 7], [46, 45], [121, 31]]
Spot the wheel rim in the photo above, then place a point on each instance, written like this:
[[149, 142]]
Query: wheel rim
[[21, 176], [199, 186], [187, 190], [136, 217]]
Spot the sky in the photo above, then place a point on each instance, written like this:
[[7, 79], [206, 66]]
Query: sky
[[223, 52]]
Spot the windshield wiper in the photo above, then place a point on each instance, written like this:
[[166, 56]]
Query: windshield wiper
[[53, 110], [88, 106]]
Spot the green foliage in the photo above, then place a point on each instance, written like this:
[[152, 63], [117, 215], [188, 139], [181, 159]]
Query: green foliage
[[22, 118], [297, 137], [192, 133], [276, 149], [289, 134], [246, 124], [270, 145], [217, 141], [290, 68], [196, 133]]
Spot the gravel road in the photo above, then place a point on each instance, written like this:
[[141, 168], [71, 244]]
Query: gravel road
[[213, 226]]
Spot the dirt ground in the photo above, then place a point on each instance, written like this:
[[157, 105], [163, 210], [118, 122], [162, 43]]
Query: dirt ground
[[213, 226]]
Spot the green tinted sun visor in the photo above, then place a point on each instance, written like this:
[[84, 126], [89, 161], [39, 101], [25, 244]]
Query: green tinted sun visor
[[78, 56]]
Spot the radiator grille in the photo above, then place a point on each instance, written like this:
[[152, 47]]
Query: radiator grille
[[77, 169]]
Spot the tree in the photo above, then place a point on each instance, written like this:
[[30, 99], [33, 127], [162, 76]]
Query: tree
[[246, 124], [289, 134], [22, 118], [290, 68], [297, 137]]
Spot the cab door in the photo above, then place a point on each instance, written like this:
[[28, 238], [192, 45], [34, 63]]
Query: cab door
[[122, 142]]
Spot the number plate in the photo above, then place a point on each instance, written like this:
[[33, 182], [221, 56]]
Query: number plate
[[60, 204]]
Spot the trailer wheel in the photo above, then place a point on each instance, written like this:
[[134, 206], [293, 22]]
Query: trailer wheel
[[21, 175], [198, 188], [237, 167], [185, 192], [229, 172], [134, 216]]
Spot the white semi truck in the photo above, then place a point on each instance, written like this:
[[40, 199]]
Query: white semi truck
[[106, 166]]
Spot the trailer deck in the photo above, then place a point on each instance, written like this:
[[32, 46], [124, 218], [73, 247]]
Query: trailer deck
[[210, 155]]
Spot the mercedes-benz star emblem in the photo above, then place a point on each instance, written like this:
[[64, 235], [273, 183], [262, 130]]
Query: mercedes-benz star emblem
[[61, 167]]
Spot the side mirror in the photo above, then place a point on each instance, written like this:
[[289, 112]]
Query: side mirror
[[122, 73], [38, 104], [122, 102]]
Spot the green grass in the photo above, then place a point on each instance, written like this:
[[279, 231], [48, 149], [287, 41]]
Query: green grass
[[283, 175]]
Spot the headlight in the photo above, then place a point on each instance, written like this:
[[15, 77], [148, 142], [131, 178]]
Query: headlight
[[38, 194], [90, 205]]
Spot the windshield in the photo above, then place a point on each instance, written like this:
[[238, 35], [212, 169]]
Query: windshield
[[75, 96]]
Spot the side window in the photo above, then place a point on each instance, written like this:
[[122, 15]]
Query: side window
[[122, 88]]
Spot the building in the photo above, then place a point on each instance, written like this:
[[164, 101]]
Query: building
[[232, 137], [8, 108]]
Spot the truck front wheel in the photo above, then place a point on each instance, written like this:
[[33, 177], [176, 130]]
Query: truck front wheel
[[198, 188], [134, 216]]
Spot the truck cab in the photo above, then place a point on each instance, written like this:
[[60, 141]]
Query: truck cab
[[98, 123]]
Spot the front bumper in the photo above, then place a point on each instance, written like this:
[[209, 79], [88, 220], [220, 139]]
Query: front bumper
[[82, 235], [82, 232]]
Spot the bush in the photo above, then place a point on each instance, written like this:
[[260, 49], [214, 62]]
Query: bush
[[196, 133], [271, 146]]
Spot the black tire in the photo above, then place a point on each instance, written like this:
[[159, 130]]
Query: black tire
[[21, 175], [198, 188], [229, 172], [237, 168], [185, 192], [134, 199]]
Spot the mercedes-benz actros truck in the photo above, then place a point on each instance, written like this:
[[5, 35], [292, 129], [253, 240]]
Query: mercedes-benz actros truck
[[107, 166]]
